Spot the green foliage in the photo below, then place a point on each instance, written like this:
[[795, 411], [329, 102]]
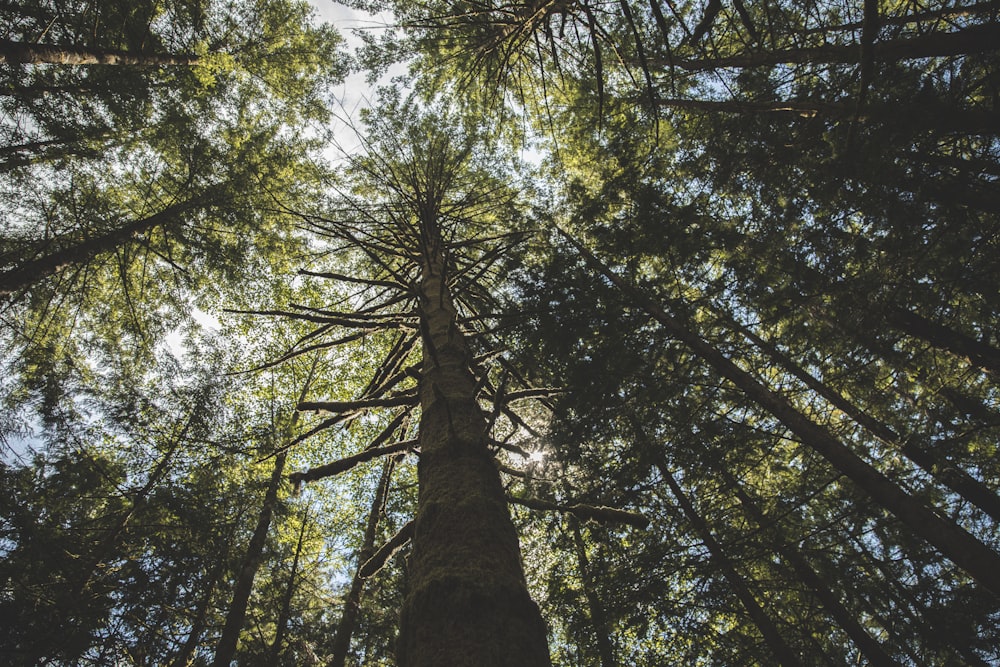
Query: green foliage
[[809, 189]]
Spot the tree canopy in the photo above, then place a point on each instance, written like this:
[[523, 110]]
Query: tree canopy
[[632, 333]]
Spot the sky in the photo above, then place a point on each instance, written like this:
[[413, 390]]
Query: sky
[[355, 91]]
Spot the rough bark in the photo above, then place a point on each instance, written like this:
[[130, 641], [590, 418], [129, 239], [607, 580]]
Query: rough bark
[[21, 53], [467, 603], [953, 541]]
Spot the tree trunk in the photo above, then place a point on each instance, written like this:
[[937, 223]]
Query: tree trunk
[[468, 603], [782, 651], [33, 271], [976, 39], [869, 647], [352, 605], [978, 353], [286, 604], [951, 476], [183, 657], [953, 541], [597, 616], [20, 53], [935, 117], [225, 650]]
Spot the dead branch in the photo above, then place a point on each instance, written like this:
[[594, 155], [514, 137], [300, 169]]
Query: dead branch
[[345, 464], [598, 513], [374, 564]]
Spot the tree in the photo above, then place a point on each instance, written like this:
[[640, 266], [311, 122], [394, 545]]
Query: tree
[[768, 323]]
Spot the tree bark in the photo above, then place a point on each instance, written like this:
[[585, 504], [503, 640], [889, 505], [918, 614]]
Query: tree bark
[[468, 603], [21, 53], [953, 541]]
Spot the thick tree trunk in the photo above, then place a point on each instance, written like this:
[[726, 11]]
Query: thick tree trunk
[[953, 541], [33, 271], [772, 636], [225, 650], [869, 647], [468, 603], [17, 53], [352, 605], [597, 616]]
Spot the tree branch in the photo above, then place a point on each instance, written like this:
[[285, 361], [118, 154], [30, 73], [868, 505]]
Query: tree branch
[[598, 513]]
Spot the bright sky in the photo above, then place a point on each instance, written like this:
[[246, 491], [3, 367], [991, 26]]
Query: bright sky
[[356, 91]]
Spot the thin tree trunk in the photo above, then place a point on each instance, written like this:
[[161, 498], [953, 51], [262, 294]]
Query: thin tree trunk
[[33, 271], [954, 478], [967, 41], [21, 53], [352, 605], [286, 603], [772, 636], [225, 650], [226, 647], [598, 618], [940, 118], [953, 541], [184, 656], [468, 603], [869, 647]]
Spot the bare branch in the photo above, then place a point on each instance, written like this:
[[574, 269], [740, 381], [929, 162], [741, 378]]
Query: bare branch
[[345, 464], [374, 564], [598, 513]]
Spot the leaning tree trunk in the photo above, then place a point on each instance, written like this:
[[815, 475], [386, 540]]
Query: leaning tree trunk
[[869, 647], [22, 53], [468, 603], [959, 481], [352, 605], [286, 603], [954, 542], [226, 648], [598, 619], [33, 271], [784, 653]]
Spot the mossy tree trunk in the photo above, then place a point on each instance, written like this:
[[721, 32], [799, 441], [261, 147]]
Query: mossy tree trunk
[[468, 603]]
